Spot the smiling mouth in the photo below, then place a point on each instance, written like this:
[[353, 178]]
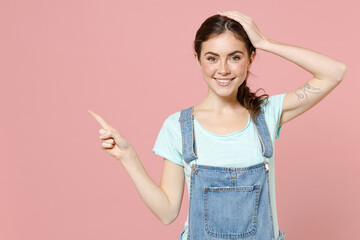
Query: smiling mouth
[[223, 80]]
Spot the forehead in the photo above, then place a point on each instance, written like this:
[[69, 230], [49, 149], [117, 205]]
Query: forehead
[[223, 44]]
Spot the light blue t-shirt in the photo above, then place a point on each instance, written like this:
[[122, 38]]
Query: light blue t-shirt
[[237, 149]]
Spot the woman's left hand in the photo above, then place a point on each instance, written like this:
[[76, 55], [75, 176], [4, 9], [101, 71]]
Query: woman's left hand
[[249, 26]]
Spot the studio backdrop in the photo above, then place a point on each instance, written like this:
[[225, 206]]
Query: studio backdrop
[[133, 63]]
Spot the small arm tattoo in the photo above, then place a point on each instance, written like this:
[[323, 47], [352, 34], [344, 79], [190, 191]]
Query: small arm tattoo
[[301, 92]]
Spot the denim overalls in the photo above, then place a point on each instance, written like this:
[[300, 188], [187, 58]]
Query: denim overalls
[[228, 203]]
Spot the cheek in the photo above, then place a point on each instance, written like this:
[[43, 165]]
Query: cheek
[[209, 69], [239, 68]]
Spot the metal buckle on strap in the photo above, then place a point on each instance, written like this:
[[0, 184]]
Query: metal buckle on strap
[[266, 166], [194, 169]]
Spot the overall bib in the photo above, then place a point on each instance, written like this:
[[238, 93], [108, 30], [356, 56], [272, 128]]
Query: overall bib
[[228, 203]]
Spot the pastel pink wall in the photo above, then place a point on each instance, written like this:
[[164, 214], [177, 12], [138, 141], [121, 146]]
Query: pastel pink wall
[[132, 63]]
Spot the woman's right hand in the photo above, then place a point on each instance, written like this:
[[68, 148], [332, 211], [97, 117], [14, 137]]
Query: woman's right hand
[[113, 142], [156, 198]]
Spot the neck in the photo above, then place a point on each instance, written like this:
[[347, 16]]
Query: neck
[[218, 103]]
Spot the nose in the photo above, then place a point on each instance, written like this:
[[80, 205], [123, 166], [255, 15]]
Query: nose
[[224, 68]]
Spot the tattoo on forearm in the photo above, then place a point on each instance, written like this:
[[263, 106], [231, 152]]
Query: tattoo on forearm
[[307, 88]]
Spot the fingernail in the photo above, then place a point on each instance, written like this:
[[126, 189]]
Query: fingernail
[[102, 131]]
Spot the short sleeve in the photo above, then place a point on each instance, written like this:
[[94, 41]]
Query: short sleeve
[[168, 142], [273, 111]]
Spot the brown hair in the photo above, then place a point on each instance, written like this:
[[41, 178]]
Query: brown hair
[[216, 25]]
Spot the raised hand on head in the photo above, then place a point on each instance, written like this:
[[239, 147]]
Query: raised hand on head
[[255, 36]]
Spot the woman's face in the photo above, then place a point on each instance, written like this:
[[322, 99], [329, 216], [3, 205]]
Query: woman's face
[[224, 63]]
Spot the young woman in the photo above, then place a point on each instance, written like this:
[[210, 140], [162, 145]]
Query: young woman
[[223, 147]]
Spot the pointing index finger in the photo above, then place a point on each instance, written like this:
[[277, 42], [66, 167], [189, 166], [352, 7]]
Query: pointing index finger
[[102, 122]]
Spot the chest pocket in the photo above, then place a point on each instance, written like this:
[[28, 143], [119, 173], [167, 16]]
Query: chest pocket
[[231, 212]]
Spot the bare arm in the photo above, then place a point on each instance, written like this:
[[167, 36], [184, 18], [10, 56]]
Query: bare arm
[[164, 200], [327, 74]]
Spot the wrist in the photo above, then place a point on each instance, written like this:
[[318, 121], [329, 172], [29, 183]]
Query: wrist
[[263, 44], [128, 155]]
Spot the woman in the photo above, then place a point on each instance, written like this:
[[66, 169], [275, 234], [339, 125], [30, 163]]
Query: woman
[[223, 147]]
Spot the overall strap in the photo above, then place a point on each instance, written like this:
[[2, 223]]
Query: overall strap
[[187, 133], [264, 136]]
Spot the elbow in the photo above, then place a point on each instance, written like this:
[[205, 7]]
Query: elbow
[[170, 218], [341, 72], [167, 222]]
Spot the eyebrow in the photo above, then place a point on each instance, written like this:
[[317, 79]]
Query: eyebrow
[[232, 53]]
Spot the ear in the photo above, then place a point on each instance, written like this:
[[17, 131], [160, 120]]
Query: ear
[[196, 59], [251, 59]]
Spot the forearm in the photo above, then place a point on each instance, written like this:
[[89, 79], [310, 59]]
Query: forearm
[[319, 65], [153, 196]]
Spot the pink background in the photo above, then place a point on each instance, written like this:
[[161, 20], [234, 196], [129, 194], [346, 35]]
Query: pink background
[[132, 63]]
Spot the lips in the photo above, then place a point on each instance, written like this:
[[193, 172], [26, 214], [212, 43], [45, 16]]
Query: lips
[[223, 78], [223, 81]]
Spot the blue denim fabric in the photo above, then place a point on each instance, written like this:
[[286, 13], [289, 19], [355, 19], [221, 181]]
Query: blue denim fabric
[[228, 203], [187, 132], [281, 235]]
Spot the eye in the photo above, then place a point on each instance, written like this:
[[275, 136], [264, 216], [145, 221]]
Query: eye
[[236, 57], [211, 59]]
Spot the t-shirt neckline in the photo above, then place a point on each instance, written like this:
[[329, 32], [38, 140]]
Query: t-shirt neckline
[[223, 135]]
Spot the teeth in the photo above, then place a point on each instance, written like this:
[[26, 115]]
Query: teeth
[[222, 81]]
